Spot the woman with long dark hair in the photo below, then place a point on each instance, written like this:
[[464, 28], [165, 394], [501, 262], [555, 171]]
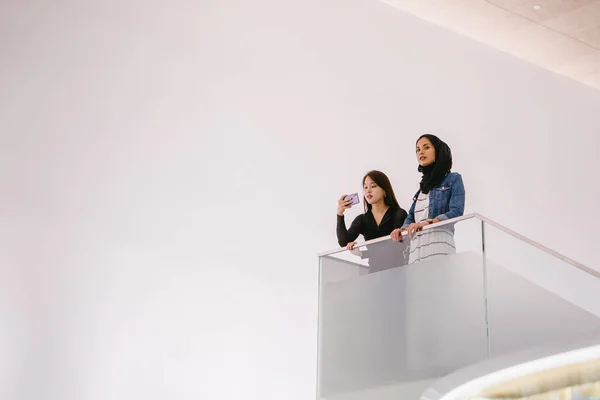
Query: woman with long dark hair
[[382, 212], [441, 196]]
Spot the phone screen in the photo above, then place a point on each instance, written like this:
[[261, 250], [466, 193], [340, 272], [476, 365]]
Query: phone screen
[[354, 197]]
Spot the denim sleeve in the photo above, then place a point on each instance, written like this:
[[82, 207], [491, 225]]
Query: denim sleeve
[[410, 218], [457, 200]]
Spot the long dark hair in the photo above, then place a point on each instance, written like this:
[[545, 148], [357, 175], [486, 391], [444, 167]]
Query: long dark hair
[[434, 173], [383, 182]]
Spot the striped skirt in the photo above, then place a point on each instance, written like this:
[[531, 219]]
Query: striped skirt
[[430, 244]]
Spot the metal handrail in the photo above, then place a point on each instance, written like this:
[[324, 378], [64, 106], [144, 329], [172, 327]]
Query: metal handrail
[[495, 224], [384, 238]]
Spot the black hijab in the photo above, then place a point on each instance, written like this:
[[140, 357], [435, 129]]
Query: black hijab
[[434, 173]]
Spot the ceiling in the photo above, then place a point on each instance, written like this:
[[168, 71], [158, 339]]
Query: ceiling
[[560, 35]]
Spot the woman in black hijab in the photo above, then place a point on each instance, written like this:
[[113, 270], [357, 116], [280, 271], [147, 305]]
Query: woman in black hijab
[[441, 196]]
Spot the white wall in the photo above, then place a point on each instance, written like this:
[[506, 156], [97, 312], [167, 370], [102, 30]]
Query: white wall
[[170, 170]]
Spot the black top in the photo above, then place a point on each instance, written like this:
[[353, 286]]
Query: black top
[[365, 224]]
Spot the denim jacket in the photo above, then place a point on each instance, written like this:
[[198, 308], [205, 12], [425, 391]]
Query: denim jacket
[[445, 201]]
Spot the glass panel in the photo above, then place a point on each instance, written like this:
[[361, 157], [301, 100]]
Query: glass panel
[[386, 324], [535, 297]]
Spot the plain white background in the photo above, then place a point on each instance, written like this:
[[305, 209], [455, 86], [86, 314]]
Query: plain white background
[[169, 171]]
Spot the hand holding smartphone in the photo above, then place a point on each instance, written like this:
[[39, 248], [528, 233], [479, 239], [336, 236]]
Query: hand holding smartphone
[[345, 202], [353, 197]]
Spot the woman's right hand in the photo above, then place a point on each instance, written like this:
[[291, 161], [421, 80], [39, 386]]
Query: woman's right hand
[[415, 227], [396, 235], [343, 205], [350, 247]]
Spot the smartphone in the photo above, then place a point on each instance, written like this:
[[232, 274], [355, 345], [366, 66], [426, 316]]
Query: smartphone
[[354, 197]]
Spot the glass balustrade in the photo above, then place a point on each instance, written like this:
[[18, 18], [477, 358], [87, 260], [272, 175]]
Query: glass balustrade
[[388, 322]]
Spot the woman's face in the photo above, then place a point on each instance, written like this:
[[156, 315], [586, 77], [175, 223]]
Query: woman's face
[[372, 192], [425, 152]]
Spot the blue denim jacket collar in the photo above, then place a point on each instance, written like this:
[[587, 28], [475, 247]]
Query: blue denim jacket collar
[[445, 201], [448, 179]]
